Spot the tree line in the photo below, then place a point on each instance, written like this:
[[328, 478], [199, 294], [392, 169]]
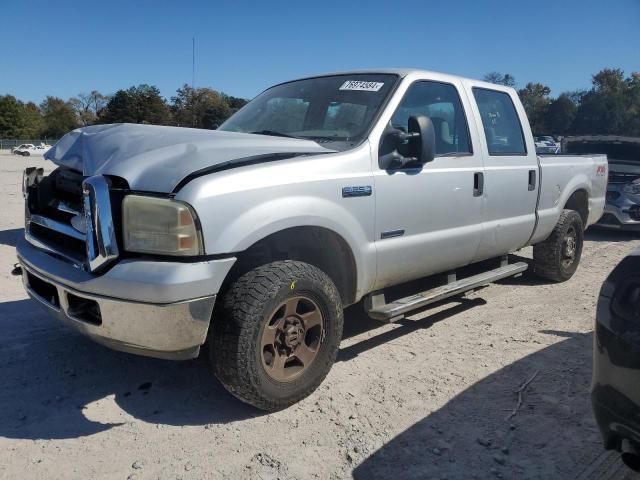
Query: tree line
[[191, 107], [610, 107]]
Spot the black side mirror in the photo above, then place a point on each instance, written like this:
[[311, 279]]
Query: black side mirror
[[413, 148], [425, 146]]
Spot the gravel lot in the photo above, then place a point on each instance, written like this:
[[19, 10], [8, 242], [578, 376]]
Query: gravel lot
[[428, 397]]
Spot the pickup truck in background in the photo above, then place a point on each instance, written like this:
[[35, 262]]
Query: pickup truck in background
[[622, 208], [319, 193]]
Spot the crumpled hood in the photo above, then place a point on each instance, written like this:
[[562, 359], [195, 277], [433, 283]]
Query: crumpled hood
[[156, 158]]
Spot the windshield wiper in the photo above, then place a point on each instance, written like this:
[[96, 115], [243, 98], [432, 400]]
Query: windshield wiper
[[273, 133]]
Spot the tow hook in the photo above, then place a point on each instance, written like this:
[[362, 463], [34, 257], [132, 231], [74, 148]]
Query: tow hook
[[17, 270]]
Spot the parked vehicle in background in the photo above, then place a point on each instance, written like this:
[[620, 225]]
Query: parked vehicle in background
[[622, 210], [25, 146], [547, 145], [616, 361], [317, 194], [28, 149]]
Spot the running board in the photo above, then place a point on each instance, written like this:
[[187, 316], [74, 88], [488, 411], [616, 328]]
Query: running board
[[390, 312]]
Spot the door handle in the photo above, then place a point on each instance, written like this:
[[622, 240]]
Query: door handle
[[478, 184], [532, 180]]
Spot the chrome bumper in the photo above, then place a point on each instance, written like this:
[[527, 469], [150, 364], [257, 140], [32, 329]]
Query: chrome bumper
[[156, 309]]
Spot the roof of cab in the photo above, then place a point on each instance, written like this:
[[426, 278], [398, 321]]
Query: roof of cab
[[403, 72]]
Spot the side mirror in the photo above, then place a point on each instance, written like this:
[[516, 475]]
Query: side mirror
[[411, 149], [425, 143]]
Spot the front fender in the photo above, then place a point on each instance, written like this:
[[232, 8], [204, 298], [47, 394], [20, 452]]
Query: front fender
[[238, 208]]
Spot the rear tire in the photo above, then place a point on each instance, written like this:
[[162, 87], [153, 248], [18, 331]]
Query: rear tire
[[275, 334], [557, 258]]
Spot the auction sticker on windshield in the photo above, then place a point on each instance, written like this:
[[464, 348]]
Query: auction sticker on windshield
[[362, 86]]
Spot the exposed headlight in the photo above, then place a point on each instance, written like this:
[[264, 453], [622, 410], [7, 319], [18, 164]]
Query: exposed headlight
[[159, 225], [632, 188]]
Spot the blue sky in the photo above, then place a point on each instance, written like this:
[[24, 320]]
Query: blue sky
[[62, 47]]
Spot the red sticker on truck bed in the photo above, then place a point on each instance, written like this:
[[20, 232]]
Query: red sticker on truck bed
[[601, 170]]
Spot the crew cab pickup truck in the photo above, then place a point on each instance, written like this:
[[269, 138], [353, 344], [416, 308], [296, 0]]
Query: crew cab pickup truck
[[319, 193]]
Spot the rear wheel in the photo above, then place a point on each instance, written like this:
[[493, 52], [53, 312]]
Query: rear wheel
[[557, 258], [276, 334]]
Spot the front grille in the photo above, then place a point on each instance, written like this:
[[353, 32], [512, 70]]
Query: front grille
[[616, 177], [70, 216]]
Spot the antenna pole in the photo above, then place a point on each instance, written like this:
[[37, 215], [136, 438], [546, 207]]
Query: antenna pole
[[193, 61]]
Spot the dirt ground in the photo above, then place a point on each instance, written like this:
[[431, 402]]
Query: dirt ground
[[428, 397]]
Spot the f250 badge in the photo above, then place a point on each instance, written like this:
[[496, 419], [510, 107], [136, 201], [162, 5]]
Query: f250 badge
[[357, 191]]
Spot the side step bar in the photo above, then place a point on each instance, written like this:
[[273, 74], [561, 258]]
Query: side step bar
[[390, 312]]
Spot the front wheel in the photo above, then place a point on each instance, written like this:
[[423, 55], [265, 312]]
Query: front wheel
[[276, 334], [557, 258]]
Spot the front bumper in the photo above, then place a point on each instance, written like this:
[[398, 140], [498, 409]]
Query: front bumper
[[152, 308], [623, 213]]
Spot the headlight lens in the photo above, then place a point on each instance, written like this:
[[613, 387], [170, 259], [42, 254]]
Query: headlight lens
[[632, 188], [159, 225]]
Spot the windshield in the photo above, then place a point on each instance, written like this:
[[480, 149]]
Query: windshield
[[337, 109]]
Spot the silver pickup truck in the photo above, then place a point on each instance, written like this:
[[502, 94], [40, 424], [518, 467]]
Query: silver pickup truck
[[319, 193]]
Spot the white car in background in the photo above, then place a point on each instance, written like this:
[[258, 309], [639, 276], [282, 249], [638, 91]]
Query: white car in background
[[27, 149], [546, 145]]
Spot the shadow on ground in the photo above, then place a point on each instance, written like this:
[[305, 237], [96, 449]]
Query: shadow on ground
[[10, 237], [478, 435], [51, 376]]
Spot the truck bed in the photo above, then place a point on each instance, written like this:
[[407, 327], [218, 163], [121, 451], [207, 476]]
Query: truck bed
[[561, 176]]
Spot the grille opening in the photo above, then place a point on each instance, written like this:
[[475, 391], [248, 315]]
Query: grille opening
[[44, 290], [84, 309], [67, 245]]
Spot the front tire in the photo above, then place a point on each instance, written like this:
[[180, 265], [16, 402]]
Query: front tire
[[276, 334], [557, 258]]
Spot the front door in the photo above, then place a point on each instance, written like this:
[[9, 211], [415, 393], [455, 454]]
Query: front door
[[429, 219]]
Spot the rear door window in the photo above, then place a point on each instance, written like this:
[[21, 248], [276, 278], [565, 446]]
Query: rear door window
[[500, 121]]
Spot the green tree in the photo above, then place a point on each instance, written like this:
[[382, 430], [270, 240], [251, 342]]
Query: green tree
[[500, 79], [199, 107], [633, 105], [560, 115], [235, 103], [603, 109], [12, 119], [535, 99], [34, 123], [59, 117], [138, 104]]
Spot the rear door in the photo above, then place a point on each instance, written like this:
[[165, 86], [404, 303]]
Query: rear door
[[511, 171]]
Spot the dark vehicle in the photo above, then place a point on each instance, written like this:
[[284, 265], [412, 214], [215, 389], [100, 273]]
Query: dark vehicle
[[622, 210], [615, 391]]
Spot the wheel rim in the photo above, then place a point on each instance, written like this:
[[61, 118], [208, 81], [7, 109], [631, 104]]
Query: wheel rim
[[291, 339], [569, 247]]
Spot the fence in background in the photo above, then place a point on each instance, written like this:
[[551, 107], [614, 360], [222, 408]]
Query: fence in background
[[9, 143]]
